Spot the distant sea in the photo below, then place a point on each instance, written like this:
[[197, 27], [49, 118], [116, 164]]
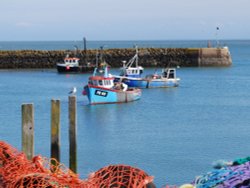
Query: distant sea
[[174, 134], [70, 45]]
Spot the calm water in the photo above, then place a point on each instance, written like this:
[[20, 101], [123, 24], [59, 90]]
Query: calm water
[[173, 134]]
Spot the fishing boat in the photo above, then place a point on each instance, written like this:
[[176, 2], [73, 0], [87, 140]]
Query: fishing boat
[[132, 69], [71, 65], [167, 78], [101, 89], [131, 74]]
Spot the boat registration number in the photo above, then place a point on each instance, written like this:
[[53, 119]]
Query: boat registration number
[[101, 93]]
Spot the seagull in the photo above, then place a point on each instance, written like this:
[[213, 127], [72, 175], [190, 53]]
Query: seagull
[[73, 91]]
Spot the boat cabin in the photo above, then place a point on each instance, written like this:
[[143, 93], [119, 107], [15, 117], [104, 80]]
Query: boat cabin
[[71, 61], [132, 71], [169, 73], [101, 81]]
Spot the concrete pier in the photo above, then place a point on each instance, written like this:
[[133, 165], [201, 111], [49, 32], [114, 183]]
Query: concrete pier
[[214, 57], [148, 57]]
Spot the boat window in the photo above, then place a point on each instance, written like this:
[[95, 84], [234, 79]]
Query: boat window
[[165, 74], [171, 74], [107, 82], [100, 82]]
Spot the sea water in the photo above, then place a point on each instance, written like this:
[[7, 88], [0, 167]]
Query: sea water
[[174, 134]]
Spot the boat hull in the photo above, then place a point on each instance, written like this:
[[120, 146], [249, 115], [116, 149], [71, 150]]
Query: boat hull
[[65, 69], [99, 95], [150, 83]]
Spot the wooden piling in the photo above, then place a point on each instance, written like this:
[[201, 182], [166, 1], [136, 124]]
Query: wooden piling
[[55, 129], [28, 130], [72, 134]]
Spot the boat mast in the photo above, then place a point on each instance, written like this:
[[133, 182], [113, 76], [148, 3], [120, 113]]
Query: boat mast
[[133, 59], [85, 50], [136, 56]]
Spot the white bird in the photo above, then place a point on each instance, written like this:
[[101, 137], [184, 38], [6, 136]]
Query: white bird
[[73, 91]]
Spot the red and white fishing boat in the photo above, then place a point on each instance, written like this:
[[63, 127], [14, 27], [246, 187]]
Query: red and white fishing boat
[[101, 89]]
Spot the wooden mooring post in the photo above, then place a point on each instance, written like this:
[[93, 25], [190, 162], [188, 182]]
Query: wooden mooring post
[[28, 130], [72, 134], [55, 129]]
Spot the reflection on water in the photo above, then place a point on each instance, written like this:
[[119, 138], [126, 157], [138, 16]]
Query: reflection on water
[[173, 134]]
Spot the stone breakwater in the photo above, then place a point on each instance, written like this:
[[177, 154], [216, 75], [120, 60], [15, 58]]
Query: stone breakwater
[[148, 57]]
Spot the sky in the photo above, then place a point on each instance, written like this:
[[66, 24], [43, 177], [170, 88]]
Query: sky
[[46, 20]]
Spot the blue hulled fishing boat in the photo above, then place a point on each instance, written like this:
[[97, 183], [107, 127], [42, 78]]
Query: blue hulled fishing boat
[[131, 74], [101, 89], [166, 79]]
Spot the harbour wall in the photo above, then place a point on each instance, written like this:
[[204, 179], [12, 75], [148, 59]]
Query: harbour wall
[[148, 57]]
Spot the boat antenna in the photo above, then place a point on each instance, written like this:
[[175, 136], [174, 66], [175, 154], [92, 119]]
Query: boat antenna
[[133, 59], [96, 59], [76, 50], [136, 55], [167, 60], [99, 56], [101, 52]]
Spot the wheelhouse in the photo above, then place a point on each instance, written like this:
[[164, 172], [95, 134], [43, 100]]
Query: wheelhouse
[[72, 60], [131, 68], [101, 81], [133, 71], [169, 73]]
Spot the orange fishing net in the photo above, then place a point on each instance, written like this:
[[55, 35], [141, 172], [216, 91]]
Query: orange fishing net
[[120, 176], [16, 171]]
